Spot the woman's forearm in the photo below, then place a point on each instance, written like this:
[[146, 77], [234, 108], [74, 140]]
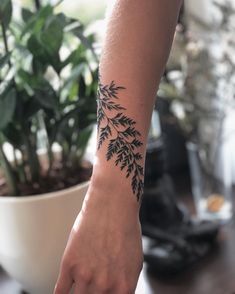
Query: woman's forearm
[[136, 47], [104, 250]]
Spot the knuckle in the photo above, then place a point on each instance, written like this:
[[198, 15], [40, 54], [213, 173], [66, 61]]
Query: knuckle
[[85, 276], [58, 289], [103, 285]]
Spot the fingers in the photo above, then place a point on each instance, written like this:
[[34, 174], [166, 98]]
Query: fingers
[[64, 282], [80, 288]]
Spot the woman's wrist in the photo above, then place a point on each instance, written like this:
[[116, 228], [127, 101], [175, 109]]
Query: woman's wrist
[[111, 177], [113, 190]]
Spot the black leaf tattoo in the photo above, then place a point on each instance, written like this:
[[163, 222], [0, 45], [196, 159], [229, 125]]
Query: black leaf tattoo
[[123, 147]]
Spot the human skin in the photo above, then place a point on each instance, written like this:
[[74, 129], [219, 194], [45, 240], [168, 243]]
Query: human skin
[[104, 251]]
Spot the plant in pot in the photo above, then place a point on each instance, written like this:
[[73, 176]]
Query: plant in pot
[[48, 81]]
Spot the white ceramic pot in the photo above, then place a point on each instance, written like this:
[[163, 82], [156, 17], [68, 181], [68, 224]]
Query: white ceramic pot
[[33, 234]]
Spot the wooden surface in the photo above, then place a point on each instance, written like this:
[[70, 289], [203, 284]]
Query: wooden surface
[[214, 274]]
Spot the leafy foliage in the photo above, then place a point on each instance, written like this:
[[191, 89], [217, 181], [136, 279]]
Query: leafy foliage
[[124, 145], [7, 107], [5, 12], [47, 90]]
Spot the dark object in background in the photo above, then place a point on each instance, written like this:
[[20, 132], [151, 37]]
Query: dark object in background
[[176, 239], [155, 162], [174, 140]]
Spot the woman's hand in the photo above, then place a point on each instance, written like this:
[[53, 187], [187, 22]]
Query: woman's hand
[[104, 251]]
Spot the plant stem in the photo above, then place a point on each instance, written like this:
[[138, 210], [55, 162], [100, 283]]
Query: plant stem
[[58, 3], [37, 4], [4, 35], [31, 152], [33, 161], [9, 174]]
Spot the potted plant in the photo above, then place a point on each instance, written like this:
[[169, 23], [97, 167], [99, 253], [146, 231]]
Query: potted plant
[[48, 81]]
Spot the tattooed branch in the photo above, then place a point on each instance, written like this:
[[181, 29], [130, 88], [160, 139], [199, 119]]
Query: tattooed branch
[[122, 135]]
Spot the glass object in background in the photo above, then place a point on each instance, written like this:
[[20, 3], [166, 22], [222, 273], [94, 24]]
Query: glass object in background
[[211, 177], [155, 131], [154, 163]]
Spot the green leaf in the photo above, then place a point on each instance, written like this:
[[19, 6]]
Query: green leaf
[[62, 19], [38, 67], [84, 136], [86, 41], [36, 48], [75, 74], [4, 60], [43, 91], [7, 107], [27, 78], [35, 24], [26, 14], [43, 18], [42, 48], [82, 87], [31, 107], [52, 35], [41, 57], [5, 12], [45, 95], [75, 57], [13, 135], [70, 86]]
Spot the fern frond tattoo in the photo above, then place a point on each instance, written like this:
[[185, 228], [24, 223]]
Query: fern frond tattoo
[[123, 146]]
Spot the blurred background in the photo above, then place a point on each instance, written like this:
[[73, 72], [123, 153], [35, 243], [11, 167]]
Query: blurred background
[[49, 53], [86, 11]]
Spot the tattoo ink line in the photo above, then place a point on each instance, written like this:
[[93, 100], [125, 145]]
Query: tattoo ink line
[[121, 146]]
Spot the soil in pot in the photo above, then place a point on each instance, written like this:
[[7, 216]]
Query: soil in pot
[[58, 178]]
